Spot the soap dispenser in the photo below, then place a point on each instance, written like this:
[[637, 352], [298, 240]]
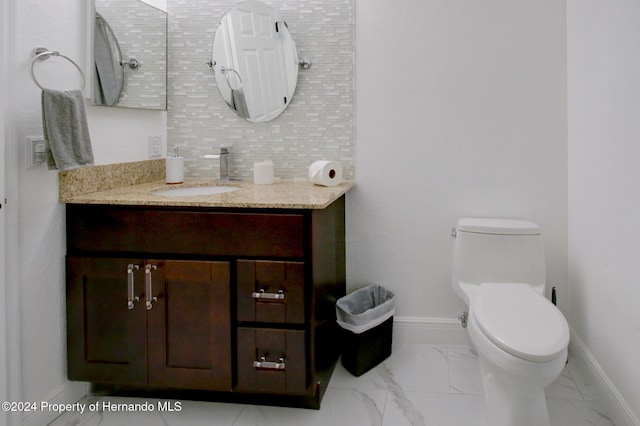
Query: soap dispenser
[[175, 167]]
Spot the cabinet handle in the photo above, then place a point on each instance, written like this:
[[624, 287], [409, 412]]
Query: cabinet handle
[[149, 286], [269, 365], [131, 288], [264, 295]]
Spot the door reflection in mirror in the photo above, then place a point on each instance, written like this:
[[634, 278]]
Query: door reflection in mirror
[[255, 61]]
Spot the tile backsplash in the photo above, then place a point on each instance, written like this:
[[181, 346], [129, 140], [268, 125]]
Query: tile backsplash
[[318, 123]]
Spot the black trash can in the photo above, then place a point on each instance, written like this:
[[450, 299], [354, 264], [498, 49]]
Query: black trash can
[[366, 318]]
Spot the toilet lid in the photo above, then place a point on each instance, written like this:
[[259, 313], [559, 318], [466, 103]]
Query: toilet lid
[[521, 321], [498, 226]]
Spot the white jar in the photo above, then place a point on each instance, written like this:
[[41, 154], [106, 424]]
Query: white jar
[[263, 173]]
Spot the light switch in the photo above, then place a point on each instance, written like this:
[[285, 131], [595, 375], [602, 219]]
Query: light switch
[[155, 146], [36, 151]]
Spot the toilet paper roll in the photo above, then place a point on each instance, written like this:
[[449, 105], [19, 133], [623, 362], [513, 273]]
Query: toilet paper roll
[[325, 173], [175, 169]]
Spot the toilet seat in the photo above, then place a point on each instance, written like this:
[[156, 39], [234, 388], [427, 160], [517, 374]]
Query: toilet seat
[[520, 321]]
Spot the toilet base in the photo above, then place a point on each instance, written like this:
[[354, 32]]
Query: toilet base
[[513, 387], [506, 407]]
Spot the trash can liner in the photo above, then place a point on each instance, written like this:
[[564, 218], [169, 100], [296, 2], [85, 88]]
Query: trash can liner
[[365, 308]]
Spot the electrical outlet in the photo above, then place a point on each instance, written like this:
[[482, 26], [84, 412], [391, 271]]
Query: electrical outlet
[[36, 151], [155, 146]]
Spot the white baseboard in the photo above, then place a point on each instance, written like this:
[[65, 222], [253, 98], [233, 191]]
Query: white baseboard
[[615, 405], [433, 331], [67, 393]]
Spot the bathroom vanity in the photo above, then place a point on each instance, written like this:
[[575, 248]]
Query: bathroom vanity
[[224, 297]]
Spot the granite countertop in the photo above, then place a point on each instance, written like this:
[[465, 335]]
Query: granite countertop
[[134, 184], [283, 195]]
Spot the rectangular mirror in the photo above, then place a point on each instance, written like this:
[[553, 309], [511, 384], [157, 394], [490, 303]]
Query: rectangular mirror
[[129, 55]]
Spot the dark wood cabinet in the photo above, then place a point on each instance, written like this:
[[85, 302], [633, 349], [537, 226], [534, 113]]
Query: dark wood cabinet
[[181, 340], [236, 303]]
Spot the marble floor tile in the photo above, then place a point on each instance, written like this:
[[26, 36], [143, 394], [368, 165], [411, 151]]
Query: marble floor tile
[[109, 411], [199, 413], [370, 381], [77, 417], [564, 387], [566, 412], [434, 409], [165, 413], [94, 416], [464, 370], [417, 385], [340, 407], [583, 381], [417, 368]]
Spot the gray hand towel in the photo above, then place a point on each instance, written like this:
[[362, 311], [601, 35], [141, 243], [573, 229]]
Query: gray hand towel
[[240, 103], [64, 124]]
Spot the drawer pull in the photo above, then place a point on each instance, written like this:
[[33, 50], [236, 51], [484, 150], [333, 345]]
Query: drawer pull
[[131, 288], [264, 295], [150, 298], [269, 365]]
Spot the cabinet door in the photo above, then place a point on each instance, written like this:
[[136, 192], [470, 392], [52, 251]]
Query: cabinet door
[[106, 341], [190, 325], [271, 292]]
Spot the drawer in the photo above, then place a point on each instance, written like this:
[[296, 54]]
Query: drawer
[[190, 232], [271, 360], [270, 292]]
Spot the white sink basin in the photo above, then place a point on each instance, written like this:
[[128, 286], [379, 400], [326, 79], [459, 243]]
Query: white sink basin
[[195, 190]]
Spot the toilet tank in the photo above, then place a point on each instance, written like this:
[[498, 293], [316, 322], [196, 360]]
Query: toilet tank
[[497, 250]]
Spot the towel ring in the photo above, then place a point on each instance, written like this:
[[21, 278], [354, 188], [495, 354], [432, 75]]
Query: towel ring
[[225, 70], [44, 54]]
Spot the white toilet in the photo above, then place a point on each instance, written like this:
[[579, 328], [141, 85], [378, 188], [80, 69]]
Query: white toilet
[[520, 336]]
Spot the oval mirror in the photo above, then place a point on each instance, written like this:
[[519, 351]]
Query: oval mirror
[[255, 62], [108, 73]]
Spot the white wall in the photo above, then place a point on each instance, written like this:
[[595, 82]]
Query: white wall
[[604, 198], [461, 111], [118, 135]]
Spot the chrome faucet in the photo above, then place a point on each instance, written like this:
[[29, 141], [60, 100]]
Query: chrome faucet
[[225, 162]]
